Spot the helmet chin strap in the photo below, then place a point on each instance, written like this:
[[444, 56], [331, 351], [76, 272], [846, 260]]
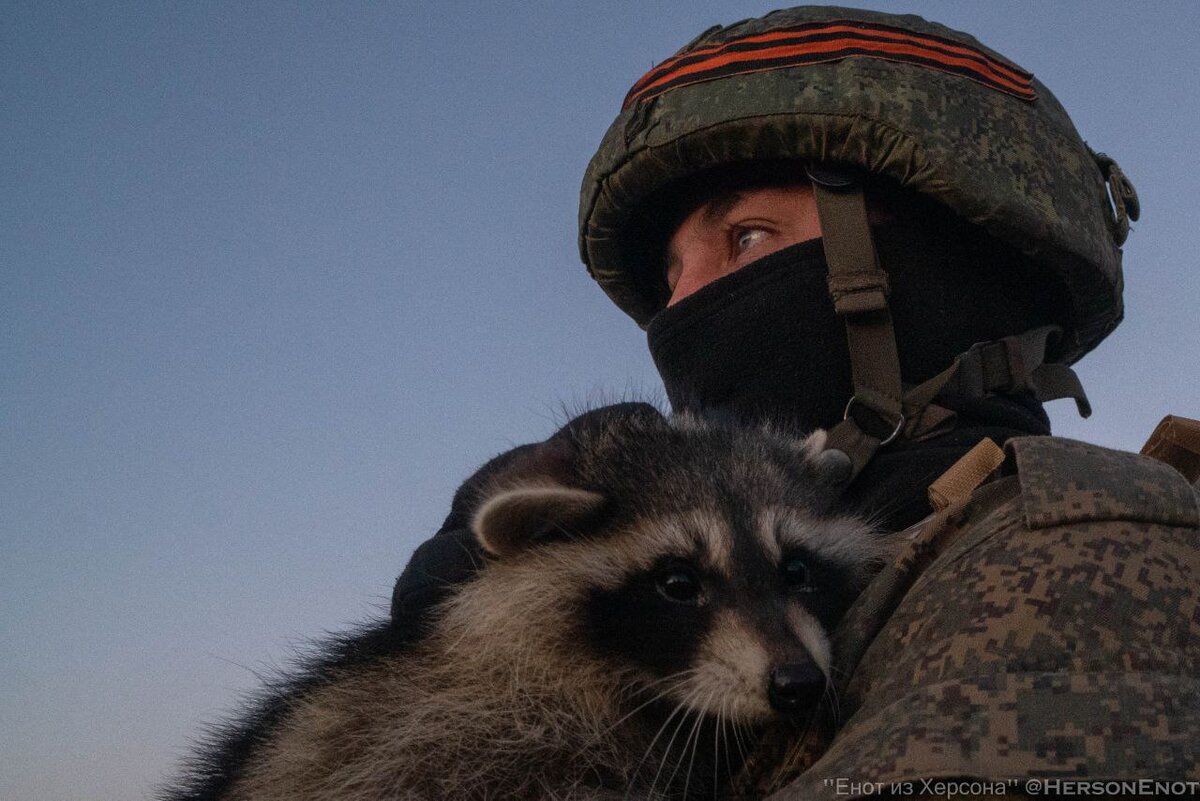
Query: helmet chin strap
[[883, 409]]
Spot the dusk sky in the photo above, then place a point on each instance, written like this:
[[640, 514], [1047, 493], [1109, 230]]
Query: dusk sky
[[274, 278]]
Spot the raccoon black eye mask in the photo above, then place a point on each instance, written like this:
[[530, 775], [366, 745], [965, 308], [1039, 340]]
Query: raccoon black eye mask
[[652, 590]]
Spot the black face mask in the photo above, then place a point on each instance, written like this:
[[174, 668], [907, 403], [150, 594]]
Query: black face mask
[[760, 343], [765, 343]]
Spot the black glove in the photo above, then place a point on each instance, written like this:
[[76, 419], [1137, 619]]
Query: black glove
[[452, 556]]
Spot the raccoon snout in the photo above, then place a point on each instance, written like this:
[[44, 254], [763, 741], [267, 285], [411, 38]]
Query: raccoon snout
[[795, 687]]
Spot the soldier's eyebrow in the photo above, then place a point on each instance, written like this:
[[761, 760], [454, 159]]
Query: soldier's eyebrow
[[720, 205]]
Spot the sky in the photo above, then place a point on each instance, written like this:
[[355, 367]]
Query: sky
[[274, 278]]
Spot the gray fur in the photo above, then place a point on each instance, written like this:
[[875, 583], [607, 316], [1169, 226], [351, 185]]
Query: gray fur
[[513, 696]]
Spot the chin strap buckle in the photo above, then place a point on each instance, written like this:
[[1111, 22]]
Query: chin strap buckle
[[886, 440], [1016, 364]]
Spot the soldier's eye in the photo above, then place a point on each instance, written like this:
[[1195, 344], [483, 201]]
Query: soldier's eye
[[748, 238], [796, 574], [679, 582]]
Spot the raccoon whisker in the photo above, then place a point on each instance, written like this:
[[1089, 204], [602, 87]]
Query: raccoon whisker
[[678, 678], [834, 701], [635, 690], [637, 768], [661, 764], [737, 738], [687, 708], [682, 752], [718, 731], [717, 749], [694, 735], [721, 723], [838, 672], [728, 724], [683, 749], [639, 709]]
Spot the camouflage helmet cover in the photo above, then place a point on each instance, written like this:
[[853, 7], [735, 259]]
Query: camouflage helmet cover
[[927, 106]]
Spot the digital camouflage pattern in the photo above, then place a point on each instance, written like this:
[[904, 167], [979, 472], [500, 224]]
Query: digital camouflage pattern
[[1014, 166], [1047, 626]]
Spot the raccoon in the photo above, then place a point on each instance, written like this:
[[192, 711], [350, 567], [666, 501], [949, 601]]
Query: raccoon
[[654, 591]]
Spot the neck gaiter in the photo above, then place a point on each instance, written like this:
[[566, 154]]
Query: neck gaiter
[[764, 343], [760, 343]]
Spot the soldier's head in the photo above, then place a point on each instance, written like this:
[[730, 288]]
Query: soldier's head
[[724, 212]]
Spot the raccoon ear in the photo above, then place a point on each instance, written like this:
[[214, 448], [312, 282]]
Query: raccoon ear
[[832, 466], [814, 443], [513, 519]]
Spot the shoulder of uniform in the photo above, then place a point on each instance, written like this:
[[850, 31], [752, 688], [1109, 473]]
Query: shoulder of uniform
[[1066, 481]]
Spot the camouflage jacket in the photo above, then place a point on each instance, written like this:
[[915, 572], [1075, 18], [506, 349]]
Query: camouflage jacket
[[1047, 626]]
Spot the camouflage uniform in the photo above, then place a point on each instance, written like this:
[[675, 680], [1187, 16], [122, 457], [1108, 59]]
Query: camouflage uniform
[[1048, 624]]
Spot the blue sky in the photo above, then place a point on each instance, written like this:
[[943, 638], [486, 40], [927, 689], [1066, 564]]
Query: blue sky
[[275, 278]]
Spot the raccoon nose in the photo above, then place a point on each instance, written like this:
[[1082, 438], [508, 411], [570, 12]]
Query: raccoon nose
[[795, 687]]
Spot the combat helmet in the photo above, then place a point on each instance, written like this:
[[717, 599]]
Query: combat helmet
[[925, 106]]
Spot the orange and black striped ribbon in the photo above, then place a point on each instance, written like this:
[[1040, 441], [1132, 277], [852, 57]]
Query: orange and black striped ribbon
[[816, 43]]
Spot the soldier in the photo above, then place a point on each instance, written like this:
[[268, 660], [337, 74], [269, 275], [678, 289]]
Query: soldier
[[875, 224]]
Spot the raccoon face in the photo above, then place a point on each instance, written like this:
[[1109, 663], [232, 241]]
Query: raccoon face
[[697, 562], [725, 615]]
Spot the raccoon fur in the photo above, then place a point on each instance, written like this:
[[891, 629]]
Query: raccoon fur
[[653, 592]]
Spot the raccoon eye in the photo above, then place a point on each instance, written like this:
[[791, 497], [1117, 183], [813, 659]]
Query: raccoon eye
[[678, 582], [796, 574]]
